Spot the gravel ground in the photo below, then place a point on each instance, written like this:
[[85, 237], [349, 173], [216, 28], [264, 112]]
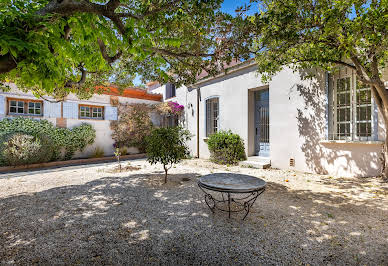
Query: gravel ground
[[89, 215]]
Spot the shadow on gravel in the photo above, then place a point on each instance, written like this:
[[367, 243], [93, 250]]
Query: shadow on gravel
[[137, 220]]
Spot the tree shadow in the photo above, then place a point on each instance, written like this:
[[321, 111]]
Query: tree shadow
[[128, 219], [329, 158]]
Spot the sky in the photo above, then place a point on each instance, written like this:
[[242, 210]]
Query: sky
[[229, 6]]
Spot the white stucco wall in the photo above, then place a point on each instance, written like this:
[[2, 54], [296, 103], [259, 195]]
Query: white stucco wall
[[298, 122], [298, 130]]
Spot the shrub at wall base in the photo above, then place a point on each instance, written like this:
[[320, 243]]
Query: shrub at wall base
[[167, 146], [31, 136], [226, 148]]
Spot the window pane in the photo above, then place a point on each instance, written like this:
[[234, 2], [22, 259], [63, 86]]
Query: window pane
[[30, 105], [13, 103], [12, 109], [364, 129], [20, 104], [31, 110], [364, 97], [363, 113], [20, 110], [343, 114], [37, 111], [343, 99]]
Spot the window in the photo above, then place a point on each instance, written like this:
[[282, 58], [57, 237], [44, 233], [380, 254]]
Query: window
[[170, 121], [212, 115], [170, 90], [25, 107], [352, 110], [91, 112]]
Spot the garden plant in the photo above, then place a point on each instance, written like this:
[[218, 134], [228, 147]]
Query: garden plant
[[167, 146], [226, 148]]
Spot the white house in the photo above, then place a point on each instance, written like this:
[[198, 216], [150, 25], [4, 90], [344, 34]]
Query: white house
[[326, 125], [98, 111]]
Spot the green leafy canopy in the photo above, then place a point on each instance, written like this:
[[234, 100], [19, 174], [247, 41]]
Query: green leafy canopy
[[62, 46]]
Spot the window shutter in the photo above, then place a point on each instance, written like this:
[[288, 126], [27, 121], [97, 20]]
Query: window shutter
[[168, 90], [51, 110], [70, 110], [111, 113], [173, 90], [2, 105]]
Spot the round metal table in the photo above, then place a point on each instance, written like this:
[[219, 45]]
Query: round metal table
[[230, 185]]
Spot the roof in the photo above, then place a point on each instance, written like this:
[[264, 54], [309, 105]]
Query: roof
[[233, 66], [130, 93], [228, 69]]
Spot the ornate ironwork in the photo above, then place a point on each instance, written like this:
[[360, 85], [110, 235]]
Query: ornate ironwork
[[240, 204]]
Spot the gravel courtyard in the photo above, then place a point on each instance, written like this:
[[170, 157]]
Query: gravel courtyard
[[92, 215]]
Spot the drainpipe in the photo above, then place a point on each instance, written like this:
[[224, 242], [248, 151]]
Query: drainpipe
[[198, 100]]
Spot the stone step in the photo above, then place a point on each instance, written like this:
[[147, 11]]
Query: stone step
[[255, 164]]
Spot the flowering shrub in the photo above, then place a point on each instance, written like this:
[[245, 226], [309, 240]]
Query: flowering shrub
[[170, 108]]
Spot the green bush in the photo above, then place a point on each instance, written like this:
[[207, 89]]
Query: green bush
[[22, 149], [226, 148], [167, 146], [64, 142]]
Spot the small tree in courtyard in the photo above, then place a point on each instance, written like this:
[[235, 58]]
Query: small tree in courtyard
[[167, 146]]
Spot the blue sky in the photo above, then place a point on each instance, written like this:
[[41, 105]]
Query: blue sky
[[229, 6]]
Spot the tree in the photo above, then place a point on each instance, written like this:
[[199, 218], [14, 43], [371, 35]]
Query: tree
[[167, 146], [54, 47], [324, 34]]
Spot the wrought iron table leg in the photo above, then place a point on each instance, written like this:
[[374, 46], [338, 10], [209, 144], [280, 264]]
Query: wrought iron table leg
[[229, 203]]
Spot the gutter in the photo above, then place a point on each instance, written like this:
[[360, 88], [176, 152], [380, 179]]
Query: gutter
[[198, 100]]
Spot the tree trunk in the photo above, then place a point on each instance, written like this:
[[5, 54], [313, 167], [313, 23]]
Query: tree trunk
[[165, 173]]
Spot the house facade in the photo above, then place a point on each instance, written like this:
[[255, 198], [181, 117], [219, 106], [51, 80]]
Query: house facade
[[98, 111], [328, 124]]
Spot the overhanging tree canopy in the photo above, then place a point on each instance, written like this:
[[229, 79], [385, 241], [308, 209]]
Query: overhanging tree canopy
[[61, 46]]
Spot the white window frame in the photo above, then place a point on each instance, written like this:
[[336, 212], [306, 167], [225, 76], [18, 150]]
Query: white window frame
[[353, 130], [213, 119]]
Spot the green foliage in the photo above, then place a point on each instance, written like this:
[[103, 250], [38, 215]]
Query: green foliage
[[65, 142], [167, 146], [226, 148], [21, 149], [307, 33], [133, 126], [152, 37]]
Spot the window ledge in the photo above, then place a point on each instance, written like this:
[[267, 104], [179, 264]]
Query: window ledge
[[370, 142]]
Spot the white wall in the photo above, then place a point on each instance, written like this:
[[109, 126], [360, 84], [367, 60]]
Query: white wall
[[298, 130], [298, 122]]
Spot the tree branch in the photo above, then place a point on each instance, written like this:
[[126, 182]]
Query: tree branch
[[74, 84], [109, 59]]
